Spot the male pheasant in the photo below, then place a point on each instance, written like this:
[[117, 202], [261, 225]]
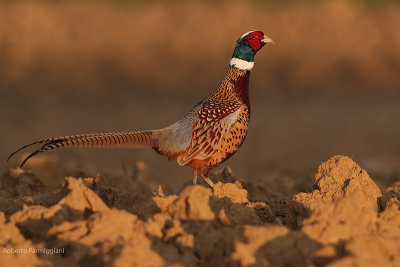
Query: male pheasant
[[202, 139]]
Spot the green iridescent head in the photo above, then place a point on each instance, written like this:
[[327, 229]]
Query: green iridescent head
[[248, 45]]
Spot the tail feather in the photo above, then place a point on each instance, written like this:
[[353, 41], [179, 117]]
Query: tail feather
[[117, 139], [52, 140]]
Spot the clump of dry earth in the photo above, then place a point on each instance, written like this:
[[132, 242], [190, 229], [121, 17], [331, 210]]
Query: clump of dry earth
[[345, 220]]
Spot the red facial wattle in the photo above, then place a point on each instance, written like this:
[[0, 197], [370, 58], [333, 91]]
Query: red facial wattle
[[254, 39]]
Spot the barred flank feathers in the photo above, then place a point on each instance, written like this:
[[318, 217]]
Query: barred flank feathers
[[118, 139]]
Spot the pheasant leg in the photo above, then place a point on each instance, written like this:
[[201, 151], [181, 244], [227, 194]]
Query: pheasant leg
[[208, 180]]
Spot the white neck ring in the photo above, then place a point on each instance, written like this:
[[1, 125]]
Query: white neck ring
[[241, 64]]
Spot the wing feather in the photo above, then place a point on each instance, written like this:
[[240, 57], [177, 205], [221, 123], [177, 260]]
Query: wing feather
[[214, 120]]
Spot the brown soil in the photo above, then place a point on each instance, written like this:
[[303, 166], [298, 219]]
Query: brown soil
[[344, 220]]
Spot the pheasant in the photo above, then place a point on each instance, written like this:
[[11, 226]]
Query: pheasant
[[202, 139]]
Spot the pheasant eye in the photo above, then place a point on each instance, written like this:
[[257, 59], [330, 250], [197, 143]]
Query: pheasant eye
[[252, 37]]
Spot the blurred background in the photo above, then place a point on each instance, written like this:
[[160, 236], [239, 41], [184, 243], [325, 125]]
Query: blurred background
[[330, 85]]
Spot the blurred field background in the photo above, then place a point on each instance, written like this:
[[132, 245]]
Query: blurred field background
[[330, 85]]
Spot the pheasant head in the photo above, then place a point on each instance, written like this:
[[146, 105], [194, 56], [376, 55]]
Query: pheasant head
[[246, 47]]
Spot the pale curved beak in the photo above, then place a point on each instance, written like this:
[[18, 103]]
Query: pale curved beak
[[267, 40]]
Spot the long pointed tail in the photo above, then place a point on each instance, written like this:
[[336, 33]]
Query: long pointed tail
[[117, 139]]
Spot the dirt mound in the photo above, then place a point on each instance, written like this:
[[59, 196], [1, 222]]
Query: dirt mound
[[344, 221]]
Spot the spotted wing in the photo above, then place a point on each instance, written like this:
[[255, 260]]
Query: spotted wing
[[214, 120]]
